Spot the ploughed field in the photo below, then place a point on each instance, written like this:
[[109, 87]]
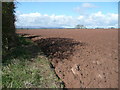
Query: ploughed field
[[82, 58]]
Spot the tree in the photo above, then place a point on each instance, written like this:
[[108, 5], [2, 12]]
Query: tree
[[112, 27], [80, 26], [9, 38]]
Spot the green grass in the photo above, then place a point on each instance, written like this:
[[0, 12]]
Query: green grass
[[21, 70], [37, 74]]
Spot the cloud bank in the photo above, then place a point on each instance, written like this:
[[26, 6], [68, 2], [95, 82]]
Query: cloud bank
[[93, 20]]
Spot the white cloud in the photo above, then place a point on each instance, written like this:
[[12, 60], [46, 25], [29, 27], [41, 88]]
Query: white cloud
[[82, 9], [31, 15], [88, 5], [93, 20]]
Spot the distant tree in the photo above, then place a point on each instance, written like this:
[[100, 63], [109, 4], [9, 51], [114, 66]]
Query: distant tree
[[80, 26], [97, 28], [112, 27]]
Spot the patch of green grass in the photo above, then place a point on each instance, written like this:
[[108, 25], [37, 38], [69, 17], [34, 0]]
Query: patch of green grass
[[24, 41], [37, 74], [21, 70]]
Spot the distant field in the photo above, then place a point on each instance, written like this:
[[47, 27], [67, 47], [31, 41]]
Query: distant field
[[100, 36]]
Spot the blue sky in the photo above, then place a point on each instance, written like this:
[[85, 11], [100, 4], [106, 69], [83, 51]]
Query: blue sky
[[75, 11], [66, 8]]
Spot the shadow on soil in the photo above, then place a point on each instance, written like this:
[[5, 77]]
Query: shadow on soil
[[60, 48]]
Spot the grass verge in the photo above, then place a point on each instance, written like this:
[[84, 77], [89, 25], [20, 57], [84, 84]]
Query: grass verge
[[26, 67]]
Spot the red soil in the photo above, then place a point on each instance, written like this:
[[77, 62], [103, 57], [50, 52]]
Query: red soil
[[82, 58]]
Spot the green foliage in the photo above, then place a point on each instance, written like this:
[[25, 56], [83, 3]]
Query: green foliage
[[23, 41], [9, 39], [19, 51]]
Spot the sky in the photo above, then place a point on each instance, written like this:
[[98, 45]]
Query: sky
[[67, 14]]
